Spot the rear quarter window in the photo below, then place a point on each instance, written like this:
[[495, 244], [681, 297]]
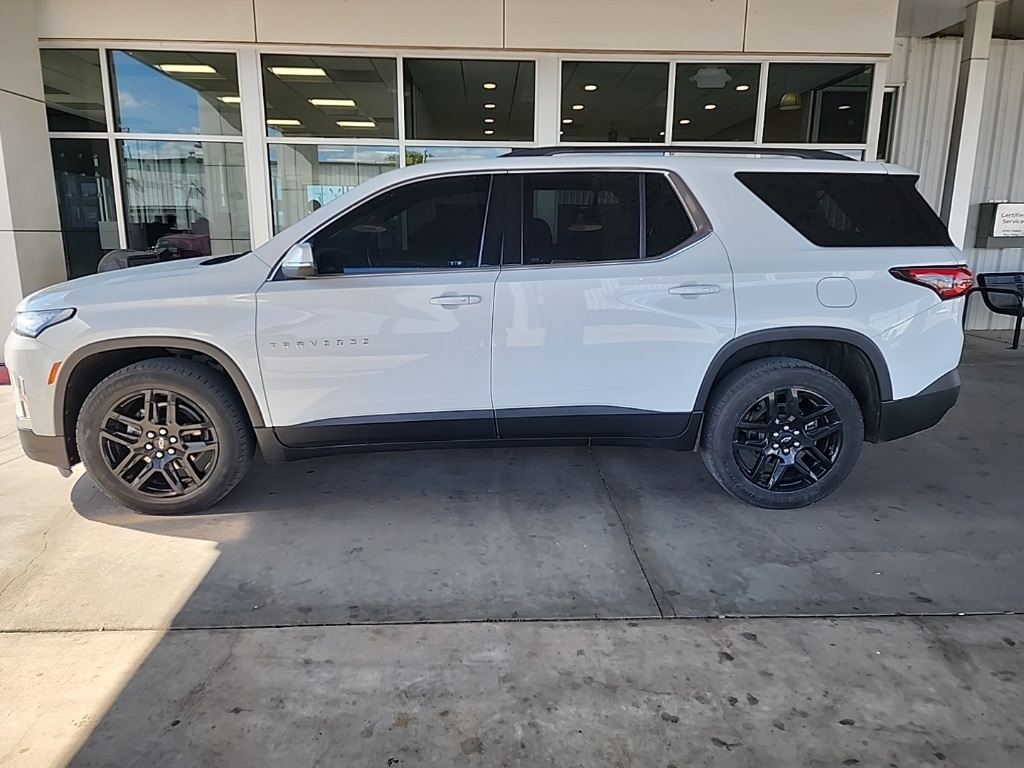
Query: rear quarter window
[[859, 210]]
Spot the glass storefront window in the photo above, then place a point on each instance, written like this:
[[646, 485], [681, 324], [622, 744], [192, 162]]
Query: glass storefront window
[[614, 101], [716, 102], [185, 194], [85, 200], [305, 176], [73, 89], [818, 103], [175, 92], [330, 96], [469, 100], [417, 155]]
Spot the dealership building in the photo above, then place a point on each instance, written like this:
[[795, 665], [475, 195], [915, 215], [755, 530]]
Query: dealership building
[[210, 125]]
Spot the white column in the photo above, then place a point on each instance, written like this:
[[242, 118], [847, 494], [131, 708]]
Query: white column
[[967, 112], [31, 251]]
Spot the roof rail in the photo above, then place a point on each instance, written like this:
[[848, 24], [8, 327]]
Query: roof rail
[[805, 154]]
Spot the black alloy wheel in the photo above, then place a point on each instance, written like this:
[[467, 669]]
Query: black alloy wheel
[[788, 440], [781, 433], [159, 443]]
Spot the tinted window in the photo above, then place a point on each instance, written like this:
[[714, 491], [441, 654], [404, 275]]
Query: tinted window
[[465, 99], [176, 92], [613, 101], [433, 224], [580, 217], [73, 87], [850, 209], [666, 223], [344, 96]]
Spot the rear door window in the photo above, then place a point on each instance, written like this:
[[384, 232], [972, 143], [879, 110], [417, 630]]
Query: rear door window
[[859, 210]]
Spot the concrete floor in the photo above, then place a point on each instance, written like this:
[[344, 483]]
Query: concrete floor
[[362, 610]]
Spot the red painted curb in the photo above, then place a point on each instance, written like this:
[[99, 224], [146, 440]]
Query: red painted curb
[[5, 377]]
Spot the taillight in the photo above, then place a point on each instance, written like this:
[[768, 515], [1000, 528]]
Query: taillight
[[948, 282]]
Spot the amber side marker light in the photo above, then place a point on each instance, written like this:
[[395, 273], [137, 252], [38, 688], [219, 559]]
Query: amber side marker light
[[53, 373]]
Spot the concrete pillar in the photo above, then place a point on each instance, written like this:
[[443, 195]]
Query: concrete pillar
[[967, 112], [31, 251]]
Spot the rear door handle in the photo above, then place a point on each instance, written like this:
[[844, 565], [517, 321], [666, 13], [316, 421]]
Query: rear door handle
[[454, 301], [695, 290]]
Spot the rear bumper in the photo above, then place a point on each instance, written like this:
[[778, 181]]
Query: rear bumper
[[45, 448], [899, 418]]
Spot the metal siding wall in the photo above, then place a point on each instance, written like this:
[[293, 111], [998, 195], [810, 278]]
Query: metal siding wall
[[922, 139], [999, 173], [926, 115]]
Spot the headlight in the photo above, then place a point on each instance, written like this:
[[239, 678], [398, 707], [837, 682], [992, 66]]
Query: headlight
[[34, 322]]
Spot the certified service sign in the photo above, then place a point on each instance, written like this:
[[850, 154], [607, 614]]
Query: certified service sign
[[1009, 220]]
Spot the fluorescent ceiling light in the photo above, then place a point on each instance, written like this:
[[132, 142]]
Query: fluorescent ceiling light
[[577, 107], [230, 99], [589, 87], [742, 87], [283, 121], [490, 106], [845, 106], [710, 106], [684, 121], [566, 120], [356, 124], [187, 69], [298, 71], [332, 102], [490, 86]]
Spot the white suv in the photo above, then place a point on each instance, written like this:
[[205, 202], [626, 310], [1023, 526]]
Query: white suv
[[772, 310]]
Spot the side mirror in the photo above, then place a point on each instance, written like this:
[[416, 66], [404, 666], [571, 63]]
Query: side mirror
[[298, 262]]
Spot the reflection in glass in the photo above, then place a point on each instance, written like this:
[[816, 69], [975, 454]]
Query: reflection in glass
[[468, 100], [417, 155], [305, 176], [85, 199], [169, 92], [614, 101], [185, 195], [73, 89], [818, 103], [716, 102], [337, 96]]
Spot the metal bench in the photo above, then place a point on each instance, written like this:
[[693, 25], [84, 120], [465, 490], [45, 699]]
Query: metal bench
[[1003, 293]]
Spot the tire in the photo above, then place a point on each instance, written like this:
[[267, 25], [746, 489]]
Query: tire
[[768, 453], [165, 436]]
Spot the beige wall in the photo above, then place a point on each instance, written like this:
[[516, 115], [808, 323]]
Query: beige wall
[[31, 253], [725, 26]]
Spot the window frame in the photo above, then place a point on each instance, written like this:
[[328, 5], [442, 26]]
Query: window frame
[[547, 86], [487, 231], [515, 219]]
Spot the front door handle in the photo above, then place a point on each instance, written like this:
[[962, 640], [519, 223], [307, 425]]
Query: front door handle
[[454, 301], [694, 290]]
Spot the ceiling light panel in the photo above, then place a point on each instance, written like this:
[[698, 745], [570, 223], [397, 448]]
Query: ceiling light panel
[[298, 71]]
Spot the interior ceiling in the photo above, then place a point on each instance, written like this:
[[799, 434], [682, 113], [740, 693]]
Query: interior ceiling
[[630, 101], [73, 83], [370, 82], [446, 98], [1009, 22]]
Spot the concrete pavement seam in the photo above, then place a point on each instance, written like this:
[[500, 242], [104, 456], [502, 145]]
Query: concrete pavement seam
[[629, 536]]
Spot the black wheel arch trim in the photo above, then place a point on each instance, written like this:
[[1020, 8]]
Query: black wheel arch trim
[[222, 358], [797, 333]]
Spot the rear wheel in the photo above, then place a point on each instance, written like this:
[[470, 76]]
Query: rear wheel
[[782, 433], [165, 436]]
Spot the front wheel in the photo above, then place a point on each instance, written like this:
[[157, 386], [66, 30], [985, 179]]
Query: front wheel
[[782, 433], [165, 436]]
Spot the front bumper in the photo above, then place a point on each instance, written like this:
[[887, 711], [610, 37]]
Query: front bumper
[[47, 449], [899, 418]]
